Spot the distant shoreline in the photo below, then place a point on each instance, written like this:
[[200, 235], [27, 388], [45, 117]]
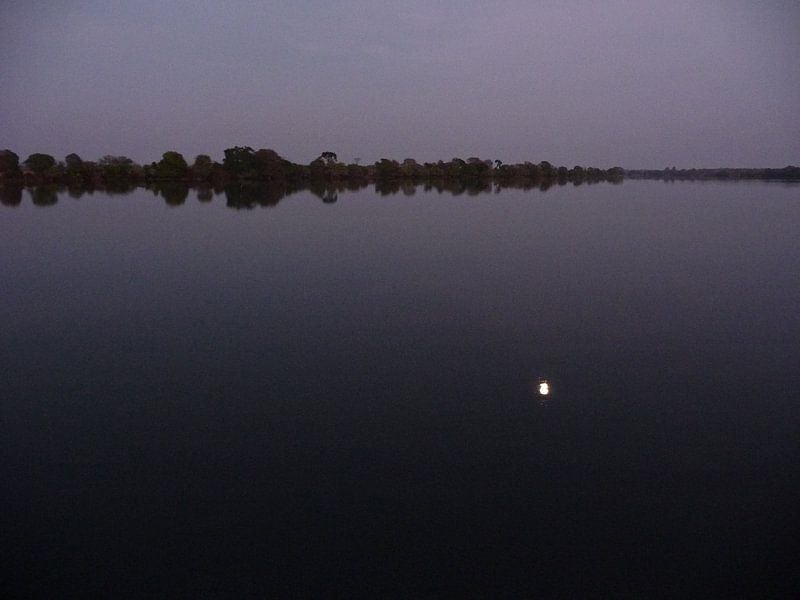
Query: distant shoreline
[[789, 173]]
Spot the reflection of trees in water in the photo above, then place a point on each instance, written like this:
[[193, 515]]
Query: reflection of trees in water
[[78, 191], [478, 187], [356, 184], [11, 195], [205, 194], [525, 186], [44, 195], [250, 194], [174, 193], [457, 187], [409, 188], [118, 188], [387, 187], [327, 192]]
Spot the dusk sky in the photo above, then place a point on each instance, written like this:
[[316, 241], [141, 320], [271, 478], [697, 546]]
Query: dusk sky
[[639, 84]]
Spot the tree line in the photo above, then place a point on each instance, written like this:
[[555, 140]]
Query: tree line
[[243, 163], [788, 173]]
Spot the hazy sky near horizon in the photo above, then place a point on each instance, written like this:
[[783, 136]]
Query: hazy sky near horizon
[[634, 83]]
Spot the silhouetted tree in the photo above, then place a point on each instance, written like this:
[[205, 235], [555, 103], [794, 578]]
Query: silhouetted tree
[[328, 157], [410, 169], [203, 167], [115, 167], [615, 174], [357, 172], [533, 171], [317, 169], [455, 168], [40, 163], [9, 165], [172, 166], [477, 168], [74, 164], [387, 169], [270, 166], [239, 161]]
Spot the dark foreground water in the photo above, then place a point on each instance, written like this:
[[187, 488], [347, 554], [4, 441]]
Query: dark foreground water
[[341, 399]]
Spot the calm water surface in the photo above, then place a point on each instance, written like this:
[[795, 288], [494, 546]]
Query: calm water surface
[[342, 399]]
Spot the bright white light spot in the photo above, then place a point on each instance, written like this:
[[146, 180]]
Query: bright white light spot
[[544, 388]]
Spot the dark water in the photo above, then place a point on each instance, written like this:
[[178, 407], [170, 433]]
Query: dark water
[[341, 399]]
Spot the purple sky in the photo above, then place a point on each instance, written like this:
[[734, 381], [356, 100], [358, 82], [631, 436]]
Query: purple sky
[[633, 83]]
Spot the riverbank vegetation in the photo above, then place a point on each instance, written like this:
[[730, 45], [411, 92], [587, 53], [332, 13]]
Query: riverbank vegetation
[[244, 164]]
